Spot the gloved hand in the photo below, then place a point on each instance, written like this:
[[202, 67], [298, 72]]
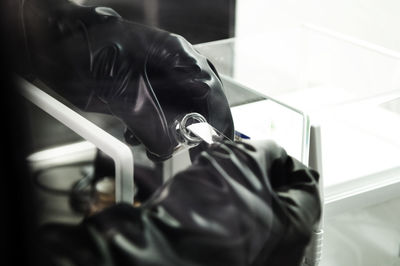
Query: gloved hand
[[146, 77], [238, 204]]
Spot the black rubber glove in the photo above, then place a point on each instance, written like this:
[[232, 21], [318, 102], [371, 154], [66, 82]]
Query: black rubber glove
[[147, 77], [238, 204]]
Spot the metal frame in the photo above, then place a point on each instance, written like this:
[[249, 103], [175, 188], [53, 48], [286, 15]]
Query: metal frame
[[314, 250], [117, 150]]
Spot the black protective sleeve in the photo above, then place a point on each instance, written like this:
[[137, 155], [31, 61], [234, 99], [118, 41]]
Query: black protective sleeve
[[238, 204]]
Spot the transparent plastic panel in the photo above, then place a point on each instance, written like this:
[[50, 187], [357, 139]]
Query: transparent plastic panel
[[348, 86]]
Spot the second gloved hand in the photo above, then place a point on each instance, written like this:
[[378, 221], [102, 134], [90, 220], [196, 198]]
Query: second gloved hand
[[238, 204]]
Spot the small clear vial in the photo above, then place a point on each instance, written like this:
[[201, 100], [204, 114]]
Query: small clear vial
[[183, 135], [193, 129]]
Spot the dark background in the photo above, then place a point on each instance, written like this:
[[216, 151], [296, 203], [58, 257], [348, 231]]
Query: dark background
[[26, 129], [197, 21]]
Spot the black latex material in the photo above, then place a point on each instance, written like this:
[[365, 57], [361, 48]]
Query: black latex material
[[103, 165], [238, 204], [145, 76]]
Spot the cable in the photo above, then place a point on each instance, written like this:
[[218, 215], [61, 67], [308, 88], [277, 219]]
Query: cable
[[85, 180]]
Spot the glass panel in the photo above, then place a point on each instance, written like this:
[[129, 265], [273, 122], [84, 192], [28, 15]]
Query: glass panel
[[348, 86]]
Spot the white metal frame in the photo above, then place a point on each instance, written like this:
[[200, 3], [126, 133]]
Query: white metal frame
[[117, 150]]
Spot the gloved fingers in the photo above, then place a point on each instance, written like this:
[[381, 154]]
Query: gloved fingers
[[282, 169], [185, 80], [175, 59], [130, 138], [144, 117], [289, 172], [146, 77], [213, 69], [293, 186]]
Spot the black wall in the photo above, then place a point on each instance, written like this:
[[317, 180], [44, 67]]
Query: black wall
[[198, 21]]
